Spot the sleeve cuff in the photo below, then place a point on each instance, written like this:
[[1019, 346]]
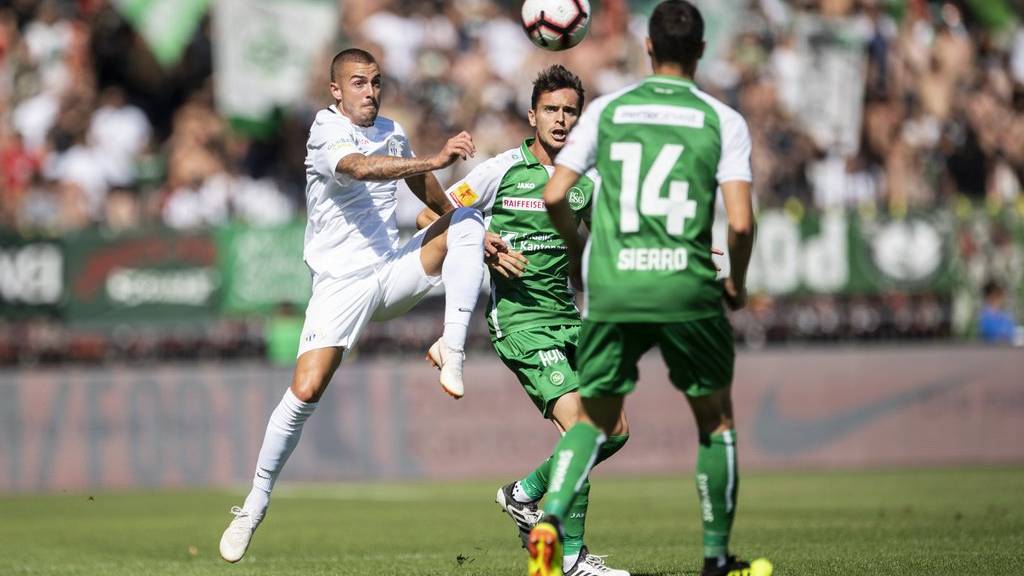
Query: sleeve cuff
[[735, 176]]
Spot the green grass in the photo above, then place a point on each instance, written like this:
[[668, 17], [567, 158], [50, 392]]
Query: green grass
[[945, 522]]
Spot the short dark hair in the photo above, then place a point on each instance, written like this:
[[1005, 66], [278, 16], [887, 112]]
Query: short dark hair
[[676, 30], [991, 288], [555, 78], [351, 55]]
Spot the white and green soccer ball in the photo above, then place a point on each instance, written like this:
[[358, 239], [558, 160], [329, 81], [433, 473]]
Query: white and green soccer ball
[[556, 24]]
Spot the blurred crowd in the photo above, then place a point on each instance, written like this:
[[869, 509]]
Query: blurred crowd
[[890, 105], [93, 131]]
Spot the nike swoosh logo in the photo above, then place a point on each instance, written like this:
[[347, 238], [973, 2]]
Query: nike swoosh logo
[[465, 309], [263, 474], [782, 435]]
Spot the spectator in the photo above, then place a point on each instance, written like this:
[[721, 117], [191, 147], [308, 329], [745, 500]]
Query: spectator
[[996, 325]]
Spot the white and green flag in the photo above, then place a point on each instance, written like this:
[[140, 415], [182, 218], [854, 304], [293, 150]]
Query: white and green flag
[[264, 52], [167, 26]]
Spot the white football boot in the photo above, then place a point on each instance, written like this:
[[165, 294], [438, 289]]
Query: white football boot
[[590, 565], [235, 540], [449, 362]]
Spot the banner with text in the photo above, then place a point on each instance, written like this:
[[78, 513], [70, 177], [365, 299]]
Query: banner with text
[[262, 268], [31, 276], [151, 277], [163, 275], [839, 252]]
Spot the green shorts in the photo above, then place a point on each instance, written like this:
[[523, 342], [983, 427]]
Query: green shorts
[[544, 360], [699, 355]]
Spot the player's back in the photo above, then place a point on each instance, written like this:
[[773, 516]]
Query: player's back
[[662, 148]]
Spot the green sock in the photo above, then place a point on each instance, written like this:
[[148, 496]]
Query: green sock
[[536, 483], [571, 462], [575, 523], [717, 484]]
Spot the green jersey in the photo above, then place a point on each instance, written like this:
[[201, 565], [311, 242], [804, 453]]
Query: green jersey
[[661, 147], [507, 189]]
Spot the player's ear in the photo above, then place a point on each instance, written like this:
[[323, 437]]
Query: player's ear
[[700, 53], [649, 47], [532, 117], [335, 91]]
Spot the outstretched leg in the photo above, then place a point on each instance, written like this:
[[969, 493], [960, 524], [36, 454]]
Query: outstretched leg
[[313, 371]]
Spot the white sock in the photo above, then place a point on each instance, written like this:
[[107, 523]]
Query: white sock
[[568, 561], [520, 495], [283, 432], [462, 273]]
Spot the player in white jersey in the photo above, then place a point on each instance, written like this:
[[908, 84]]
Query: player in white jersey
[[360, 270]]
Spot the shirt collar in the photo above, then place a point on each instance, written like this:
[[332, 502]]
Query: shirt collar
[[528, 156], [334, 108], [665, 79]]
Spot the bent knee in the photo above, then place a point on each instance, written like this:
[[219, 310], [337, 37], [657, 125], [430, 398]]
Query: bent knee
[[464, 213], [466, 223], [309, 385]]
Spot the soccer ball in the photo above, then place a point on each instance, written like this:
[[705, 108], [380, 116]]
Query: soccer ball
[[556, 24]]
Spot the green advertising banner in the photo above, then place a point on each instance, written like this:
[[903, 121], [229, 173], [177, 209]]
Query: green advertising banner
[[31, 276], [846, 253], [164, 276], [262, 268], [158, 276]]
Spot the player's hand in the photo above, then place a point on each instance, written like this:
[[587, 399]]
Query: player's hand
[[735, 298], [509, 264], [500, 259], [458, 147], [493, 243]]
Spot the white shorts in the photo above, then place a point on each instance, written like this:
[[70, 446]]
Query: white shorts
[[340, 308]]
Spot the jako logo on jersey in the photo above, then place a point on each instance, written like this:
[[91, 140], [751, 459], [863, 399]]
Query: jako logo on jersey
[[463, 195], [525, 186], [528, 204], [576, 198]]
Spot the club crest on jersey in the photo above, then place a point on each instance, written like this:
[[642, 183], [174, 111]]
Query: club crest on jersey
[[396, 145], [463, 195], [576, 198]]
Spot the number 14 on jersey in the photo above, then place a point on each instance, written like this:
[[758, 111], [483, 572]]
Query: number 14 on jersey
[[677, 207]]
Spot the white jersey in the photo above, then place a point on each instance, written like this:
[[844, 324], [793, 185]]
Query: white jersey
[[350, 225]]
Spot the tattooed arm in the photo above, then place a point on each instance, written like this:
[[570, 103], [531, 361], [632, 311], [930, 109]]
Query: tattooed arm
[[383, 168]]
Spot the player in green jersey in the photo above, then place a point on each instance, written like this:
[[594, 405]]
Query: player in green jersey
[[662, 149], [532, 317]]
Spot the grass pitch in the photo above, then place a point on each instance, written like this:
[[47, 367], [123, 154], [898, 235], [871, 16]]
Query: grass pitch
[[940, 522]]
